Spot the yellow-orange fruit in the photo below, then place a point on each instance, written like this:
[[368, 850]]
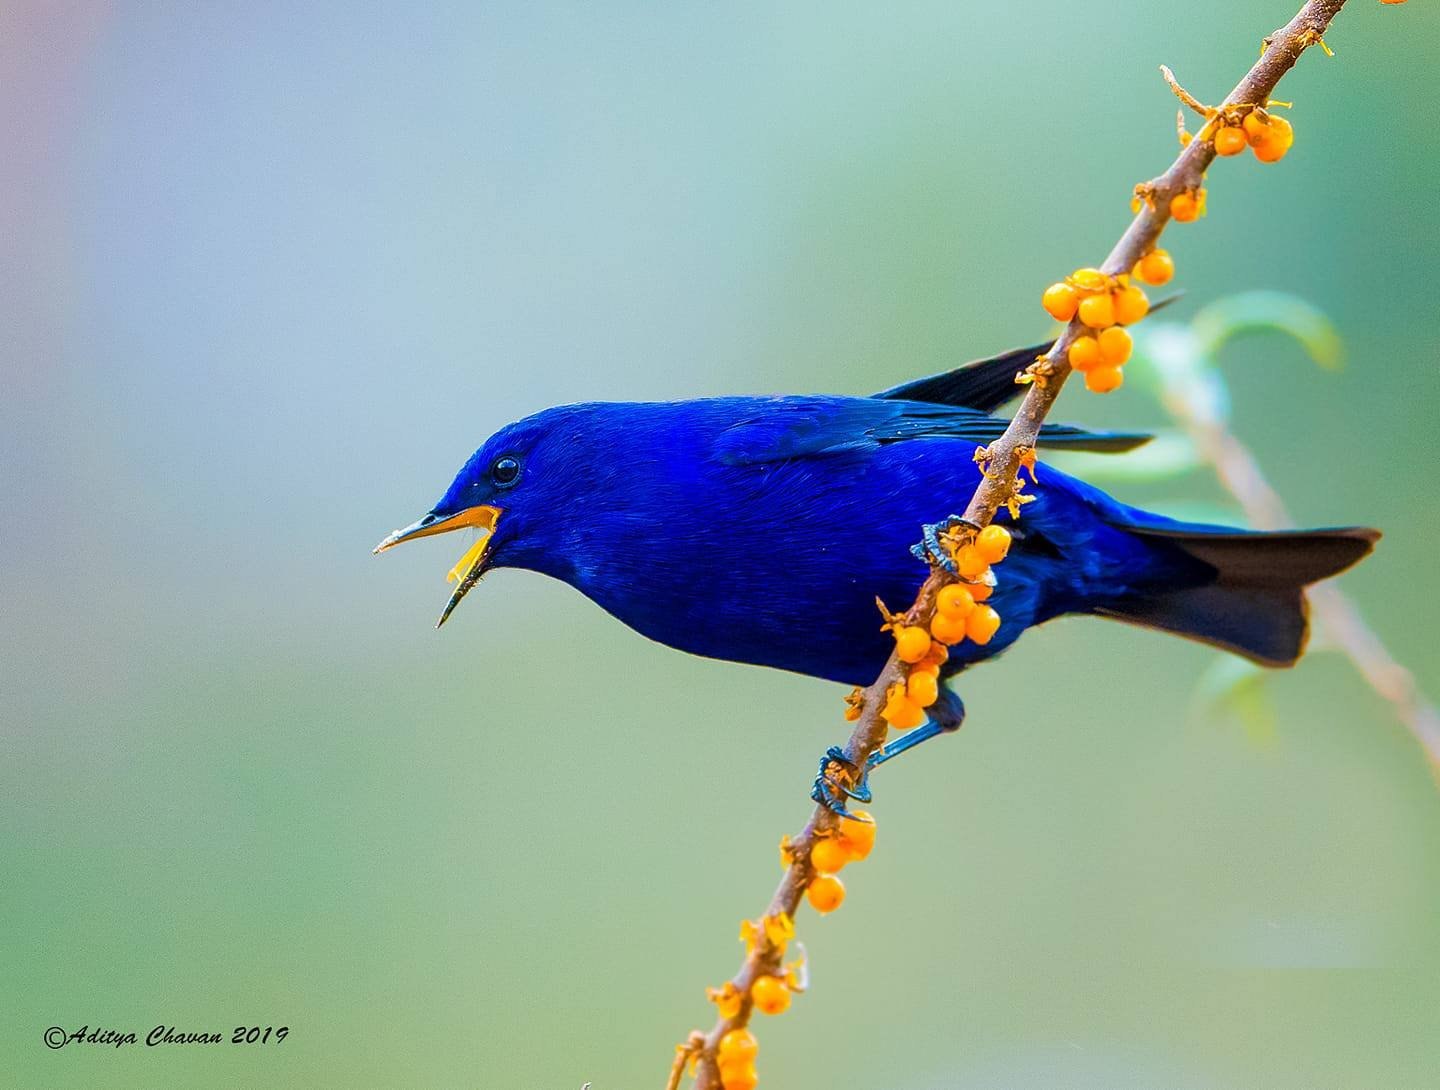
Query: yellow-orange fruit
[[982, 624], [740, 1075], [1060, 301], [971, 562], [1256, 124], [737, 1045], [770, 995], [1184, 207], [937, 657], [828, 855], [1088, 279], [901, 712], [858, 834], [1269, 150], [980, 591], [1104, 379], [1084, 354], [1097, 311], [1131, 305], [1281, 130], [911, 643], [946, 628], [993, 542], [1230, 140], [1115, 346], [923, 688], [825, 893], [954, 601], [1157, 267]]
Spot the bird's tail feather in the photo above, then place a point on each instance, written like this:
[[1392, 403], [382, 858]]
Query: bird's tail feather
[[1252, 600]]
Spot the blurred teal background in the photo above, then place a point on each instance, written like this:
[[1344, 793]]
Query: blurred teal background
[[270, 272]]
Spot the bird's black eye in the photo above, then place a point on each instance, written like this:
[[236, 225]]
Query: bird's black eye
[[505, 471]]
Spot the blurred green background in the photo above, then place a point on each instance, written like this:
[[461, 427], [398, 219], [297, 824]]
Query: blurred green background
[[271, 272]]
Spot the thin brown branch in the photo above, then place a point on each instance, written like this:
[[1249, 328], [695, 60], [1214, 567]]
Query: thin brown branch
[[1341, 625], [997, 486]]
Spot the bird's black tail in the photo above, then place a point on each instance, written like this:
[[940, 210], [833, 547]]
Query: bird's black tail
[[1249, 597]]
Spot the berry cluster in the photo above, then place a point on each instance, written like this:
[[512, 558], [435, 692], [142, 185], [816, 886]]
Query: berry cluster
[[1104, 304], [850, 841], [960, 614]]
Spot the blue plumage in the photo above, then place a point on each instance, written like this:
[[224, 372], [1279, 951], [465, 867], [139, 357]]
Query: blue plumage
[[761, 529]]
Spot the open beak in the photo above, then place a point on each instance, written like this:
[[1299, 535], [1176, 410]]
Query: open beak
[[471, 566]]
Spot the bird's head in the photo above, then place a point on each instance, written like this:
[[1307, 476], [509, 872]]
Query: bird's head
[[520, 489]]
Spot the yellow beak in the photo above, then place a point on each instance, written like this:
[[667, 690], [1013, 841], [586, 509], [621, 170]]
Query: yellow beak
[[469, 568]]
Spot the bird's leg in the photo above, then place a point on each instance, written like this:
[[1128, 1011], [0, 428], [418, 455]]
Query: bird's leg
[[841, 779], [932, 549], [944, 717]]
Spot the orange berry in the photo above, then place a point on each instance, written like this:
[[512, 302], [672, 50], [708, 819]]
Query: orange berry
[[828, 855], [993, 542], [739, 1075], [1185, 207], [939, 653], [1157, 267], [1230, 140], [825, 893], [1088, 279], [982, 624], [1104, 379], [901, 712], [858, 834], [852, 712], [971, 562], [1269, 150], [737, 1045], [980, 591], [770, 995], [947, 628], [1060, 301], [1115, 346], [911, 643], [1282, 130], [923, 688], [1097, 311], [954, 601], [1084, 354], [1130, 305], [1256, 124]]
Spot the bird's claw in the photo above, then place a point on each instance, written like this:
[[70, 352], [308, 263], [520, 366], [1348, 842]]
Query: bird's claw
[[840, 779], [931, 549]]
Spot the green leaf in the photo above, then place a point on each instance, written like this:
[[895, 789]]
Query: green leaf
[[1269, 312], [1234, 688], [1171, 361], [1170, 454]]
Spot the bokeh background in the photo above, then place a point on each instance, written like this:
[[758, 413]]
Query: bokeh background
[[270, 272]]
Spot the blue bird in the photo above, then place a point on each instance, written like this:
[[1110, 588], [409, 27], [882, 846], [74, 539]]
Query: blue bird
[[720, 526]]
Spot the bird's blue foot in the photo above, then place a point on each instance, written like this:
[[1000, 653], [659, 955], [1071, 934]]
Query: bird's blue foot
[[931, 550], [841, 779]]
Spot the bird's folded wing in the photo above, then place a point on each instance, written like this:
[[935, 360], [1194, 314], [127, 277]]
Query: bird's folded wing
[[796, 428]]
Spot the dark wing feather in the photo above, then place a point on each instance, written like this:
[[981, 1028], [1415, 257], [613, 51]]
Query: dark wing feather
[[984, 385], [803, 428]]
